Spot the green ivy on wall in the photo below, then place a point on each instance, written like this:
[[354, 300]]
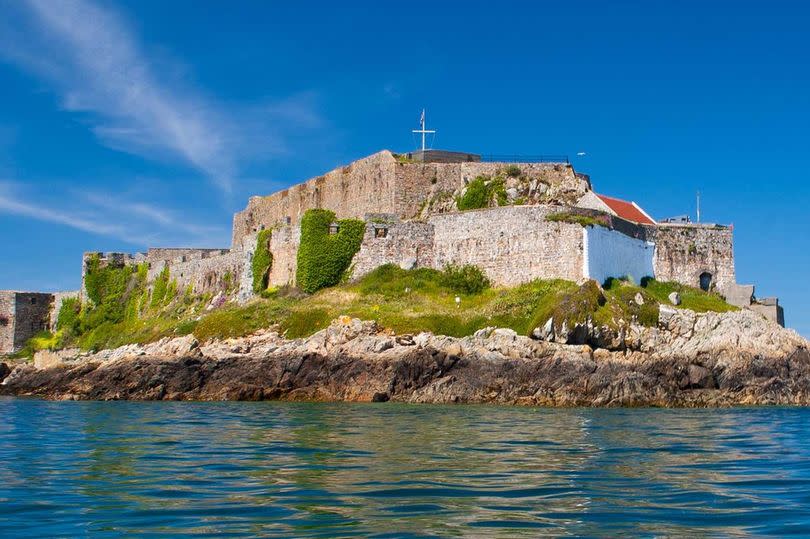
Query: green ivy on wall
[[323, 258], [262, 261]]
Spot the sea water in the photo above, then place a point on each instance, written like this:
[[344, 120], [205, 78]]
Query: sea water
[[236, 469]]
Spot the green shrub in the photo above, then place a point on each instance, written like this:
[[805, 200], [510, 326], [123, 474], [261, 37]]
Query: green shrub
[[262, 261], [68, 320], [480, 193], [160, 288], [392, 281], [513, 171], [465, 279], [323, 258]]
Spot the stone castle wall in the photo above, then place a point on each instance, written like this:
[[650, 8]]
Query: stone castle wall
[[173, 254], [408, 245], [382, 184], [22, 315], [212, 273], [284, 247], [512, 244], [684, 252], [7, 308], [364, 186], [32, 315]]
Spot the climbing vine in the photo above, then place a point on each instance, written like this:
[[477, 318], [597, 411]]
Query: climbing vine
[[324, 257], [262, 261]]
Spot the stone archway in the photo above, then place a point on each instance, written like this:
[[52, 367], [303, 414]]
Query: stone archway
[[705, 281]]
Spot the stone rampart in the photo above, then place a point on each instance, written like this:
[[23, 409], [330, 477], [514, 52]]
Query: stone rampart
[[408, 244], [512, 245], [364, 186], [180, 254], [685, 252], [7, 308], [381, 183], [284, 247], [211, 274], [22, 315]]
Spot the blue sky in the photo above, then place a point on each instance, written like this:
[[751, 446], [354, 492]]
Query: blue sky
[[127, 124]]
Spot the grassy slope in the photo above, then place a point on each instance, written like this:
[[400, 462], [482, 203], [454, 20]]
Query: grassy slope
[[414, 301], [407, 302]]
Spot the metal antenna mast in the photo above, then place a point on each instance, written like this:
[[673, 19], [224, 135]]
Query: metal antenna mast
[[422, 129]]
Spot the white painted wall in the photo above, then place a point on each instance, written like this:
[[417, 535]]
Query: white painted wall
[[612, 254]]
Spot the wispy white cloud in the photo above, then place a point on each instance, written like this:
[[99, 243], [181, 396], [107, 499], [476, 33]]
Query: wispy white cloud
[[95, 61], [139, 223]]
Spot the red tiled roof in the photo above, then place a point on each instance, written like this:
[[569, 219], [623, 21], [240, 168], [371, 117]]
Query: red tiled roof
[[626, 210]]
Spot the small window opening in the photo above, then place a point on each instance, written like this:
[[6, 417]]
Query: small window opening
[[705, 281], [33, 301], [380, 232], [4, 320]]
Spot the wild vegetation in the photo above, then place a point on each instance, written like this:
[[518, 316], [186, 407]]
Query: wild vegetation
[[456, 301], [262, 261], [482, 192], [575, 218], [324, 257]]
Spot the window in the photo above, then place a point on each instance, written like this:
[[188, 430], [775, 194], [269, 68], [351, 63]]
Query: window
[[33, 301], [705, 281], [4, 320], [380, 232]]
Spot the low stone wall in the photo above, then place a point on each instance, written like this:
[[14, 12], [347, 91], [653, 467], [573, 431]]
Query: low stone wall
[[512, 245], [684, 252], [182, 254], [211, 274]]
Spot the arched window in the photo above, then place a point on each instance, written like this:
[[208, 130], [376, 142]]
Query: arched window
[[705, 281]]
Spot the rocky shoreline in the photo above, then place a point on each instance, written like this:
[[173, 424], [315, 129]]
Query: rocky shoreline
[[689, 360]]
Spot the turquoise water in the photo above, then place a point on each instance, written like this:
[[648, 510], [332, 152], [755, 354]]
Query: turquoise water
[[344, 470]]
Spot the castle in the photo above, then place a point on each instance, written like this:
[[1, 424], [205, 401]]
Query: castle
[[542, 220]]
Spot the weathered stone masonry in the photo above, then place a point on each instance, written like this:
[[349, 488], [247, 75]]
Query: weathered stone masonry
[[685, 252], [382, 184], [22, 315]]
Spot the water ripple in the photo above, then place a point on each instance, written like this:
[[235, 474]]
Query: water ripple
[[343, 470]]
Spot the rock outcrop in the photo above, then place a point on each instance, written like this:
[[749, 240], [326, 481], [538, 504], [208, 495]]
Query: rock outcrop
[[710, 359]]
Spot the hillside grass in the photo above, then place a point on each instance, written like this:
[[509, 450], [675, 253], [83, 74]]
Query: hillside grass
[[405, 302]]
